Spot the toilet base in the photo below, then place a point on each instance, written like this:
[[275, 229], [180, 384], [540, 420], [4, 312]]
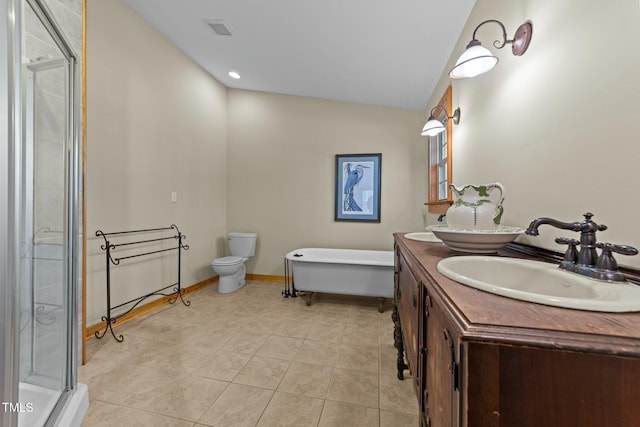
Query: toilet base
[[232, 282]]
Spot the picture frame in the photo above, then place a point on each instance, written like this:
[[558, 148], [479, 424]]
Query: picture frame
[[357, 191]]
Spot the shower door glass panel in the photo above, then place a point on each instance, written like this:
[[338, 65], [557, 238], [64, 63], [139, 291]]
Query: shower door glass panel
[[44, 279]]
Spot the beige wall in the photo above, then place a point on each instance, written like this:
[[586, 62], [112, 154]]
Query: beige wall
[[281, 172], [558, 126], [156, 124], [239, 161]]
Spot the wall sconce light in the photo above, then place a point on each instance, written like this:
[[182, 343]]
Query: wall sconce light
[[478, 59], [435, 126]]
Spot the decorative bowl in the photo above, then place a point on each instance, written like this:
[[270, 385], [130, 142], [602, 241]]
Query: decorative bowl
[[476, 241]]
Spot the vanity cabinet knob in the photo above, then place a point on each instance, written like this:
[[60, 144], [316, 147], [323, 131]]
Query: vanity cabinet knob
[[414, 300]]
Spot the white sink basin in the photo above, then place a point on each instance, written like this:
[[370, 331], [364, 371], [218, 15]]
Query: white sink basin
[[540, 282], [424, 236]]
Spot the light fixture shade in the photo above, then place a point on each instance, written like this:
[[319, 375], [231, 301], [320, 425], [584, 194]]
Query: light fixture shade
[[433, 127], [473, 61]]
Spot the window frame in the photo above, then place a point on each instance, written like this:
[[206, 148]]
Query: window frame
[[434, 203]]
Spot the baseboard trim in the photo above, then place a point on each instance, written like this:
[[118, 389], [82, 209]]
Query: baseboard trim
[[265, 277], [90, 331]]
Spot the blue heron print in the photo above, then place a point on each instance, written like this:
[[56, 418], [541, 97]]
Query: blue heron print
[[353, 178], [357, 188]]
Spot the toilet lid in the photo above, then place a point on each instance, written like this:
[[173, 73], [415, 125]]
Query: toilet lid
[[228, 260]]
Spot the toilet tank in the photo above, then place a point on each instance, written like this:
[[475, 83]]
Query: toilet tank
[[242, 244]]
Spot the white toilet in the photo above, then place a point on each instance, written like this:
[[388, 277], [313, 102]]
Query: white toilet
[[231, 269]]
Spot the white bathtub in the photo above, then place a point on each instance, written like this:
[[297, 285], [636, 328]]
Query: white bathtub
[[343, 271]]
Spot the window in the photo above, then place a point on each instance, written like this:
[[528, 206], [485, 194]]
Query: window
[[440, 161]]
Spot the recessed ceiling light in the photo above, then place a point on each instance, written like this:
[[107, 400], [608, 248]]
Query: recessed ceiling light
[[234, 75]]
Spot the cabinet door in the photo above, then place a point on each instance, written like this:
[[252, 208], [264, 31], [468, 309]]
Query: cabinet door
[[423, 354], [558, 387], [409, 309], [440, 396]]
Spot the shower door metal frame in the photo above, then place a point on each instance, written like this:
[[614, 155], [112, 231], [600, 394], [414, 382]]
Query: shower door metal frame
[[10, 146], [11, 203], [72, 200]]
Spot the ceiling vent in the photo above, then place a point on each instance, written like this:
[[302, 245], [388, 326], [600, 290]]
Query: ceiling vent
[[218, 26]]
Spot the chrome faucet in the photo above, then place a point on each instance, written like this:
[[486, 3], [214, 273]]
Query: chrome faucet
[[586, 261]]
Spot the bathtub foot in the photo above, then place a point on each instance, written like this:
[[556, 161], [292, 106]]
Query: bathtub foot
[[308, 298], [380, 305]]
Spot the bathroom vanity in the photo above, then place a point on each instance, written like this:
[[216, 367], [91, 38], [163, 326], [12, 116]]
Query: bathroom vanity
[[478, 359]]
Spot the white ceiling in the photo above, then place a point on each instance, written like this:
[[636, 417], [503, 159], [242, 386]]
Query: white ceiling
[[381, 52]]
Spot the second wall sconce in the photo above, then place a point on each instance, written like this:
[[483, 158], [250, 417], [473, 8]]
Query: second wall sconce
[[435, 126], [478, 59]]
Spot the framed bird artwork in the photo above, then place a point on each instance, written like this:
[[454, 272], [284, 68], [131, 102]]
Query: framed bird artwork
[[358, 187]]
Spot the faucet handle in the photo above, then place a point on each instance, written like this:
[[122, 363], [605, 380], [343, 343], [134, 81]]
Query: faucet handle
[[620, 249], [606, 261], [571, 255], [566, 241], [625, 250]]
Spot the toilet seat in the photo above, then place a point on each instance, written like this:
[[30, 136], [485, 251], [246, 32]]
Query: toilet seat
[[228, 260]]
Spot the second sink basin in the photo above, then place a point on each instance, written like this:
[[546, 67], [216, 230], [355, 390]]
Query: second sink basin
[[425, 236], [540, 282]]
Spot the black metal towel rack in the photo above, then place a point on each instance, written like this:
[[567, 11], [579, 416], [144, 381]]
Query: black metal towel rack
[[111, 244]]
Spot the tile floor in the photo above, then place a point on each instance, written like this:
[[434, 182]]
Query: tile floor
[[251, 358]]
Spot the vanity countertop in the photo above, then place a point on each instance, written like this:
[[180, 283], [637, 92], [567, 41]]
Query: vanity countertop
[[481, 316]]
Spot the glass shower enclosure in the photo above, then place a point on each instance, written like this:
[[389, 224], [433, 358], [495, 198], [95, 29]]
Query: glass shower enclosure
[[39, 333]]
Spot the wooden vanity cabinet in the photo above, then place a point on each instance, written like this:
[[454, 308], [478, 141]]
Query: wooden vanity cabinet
[[441, 364], [407, 311], [428, 344], [478, 359], [530, 386]]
